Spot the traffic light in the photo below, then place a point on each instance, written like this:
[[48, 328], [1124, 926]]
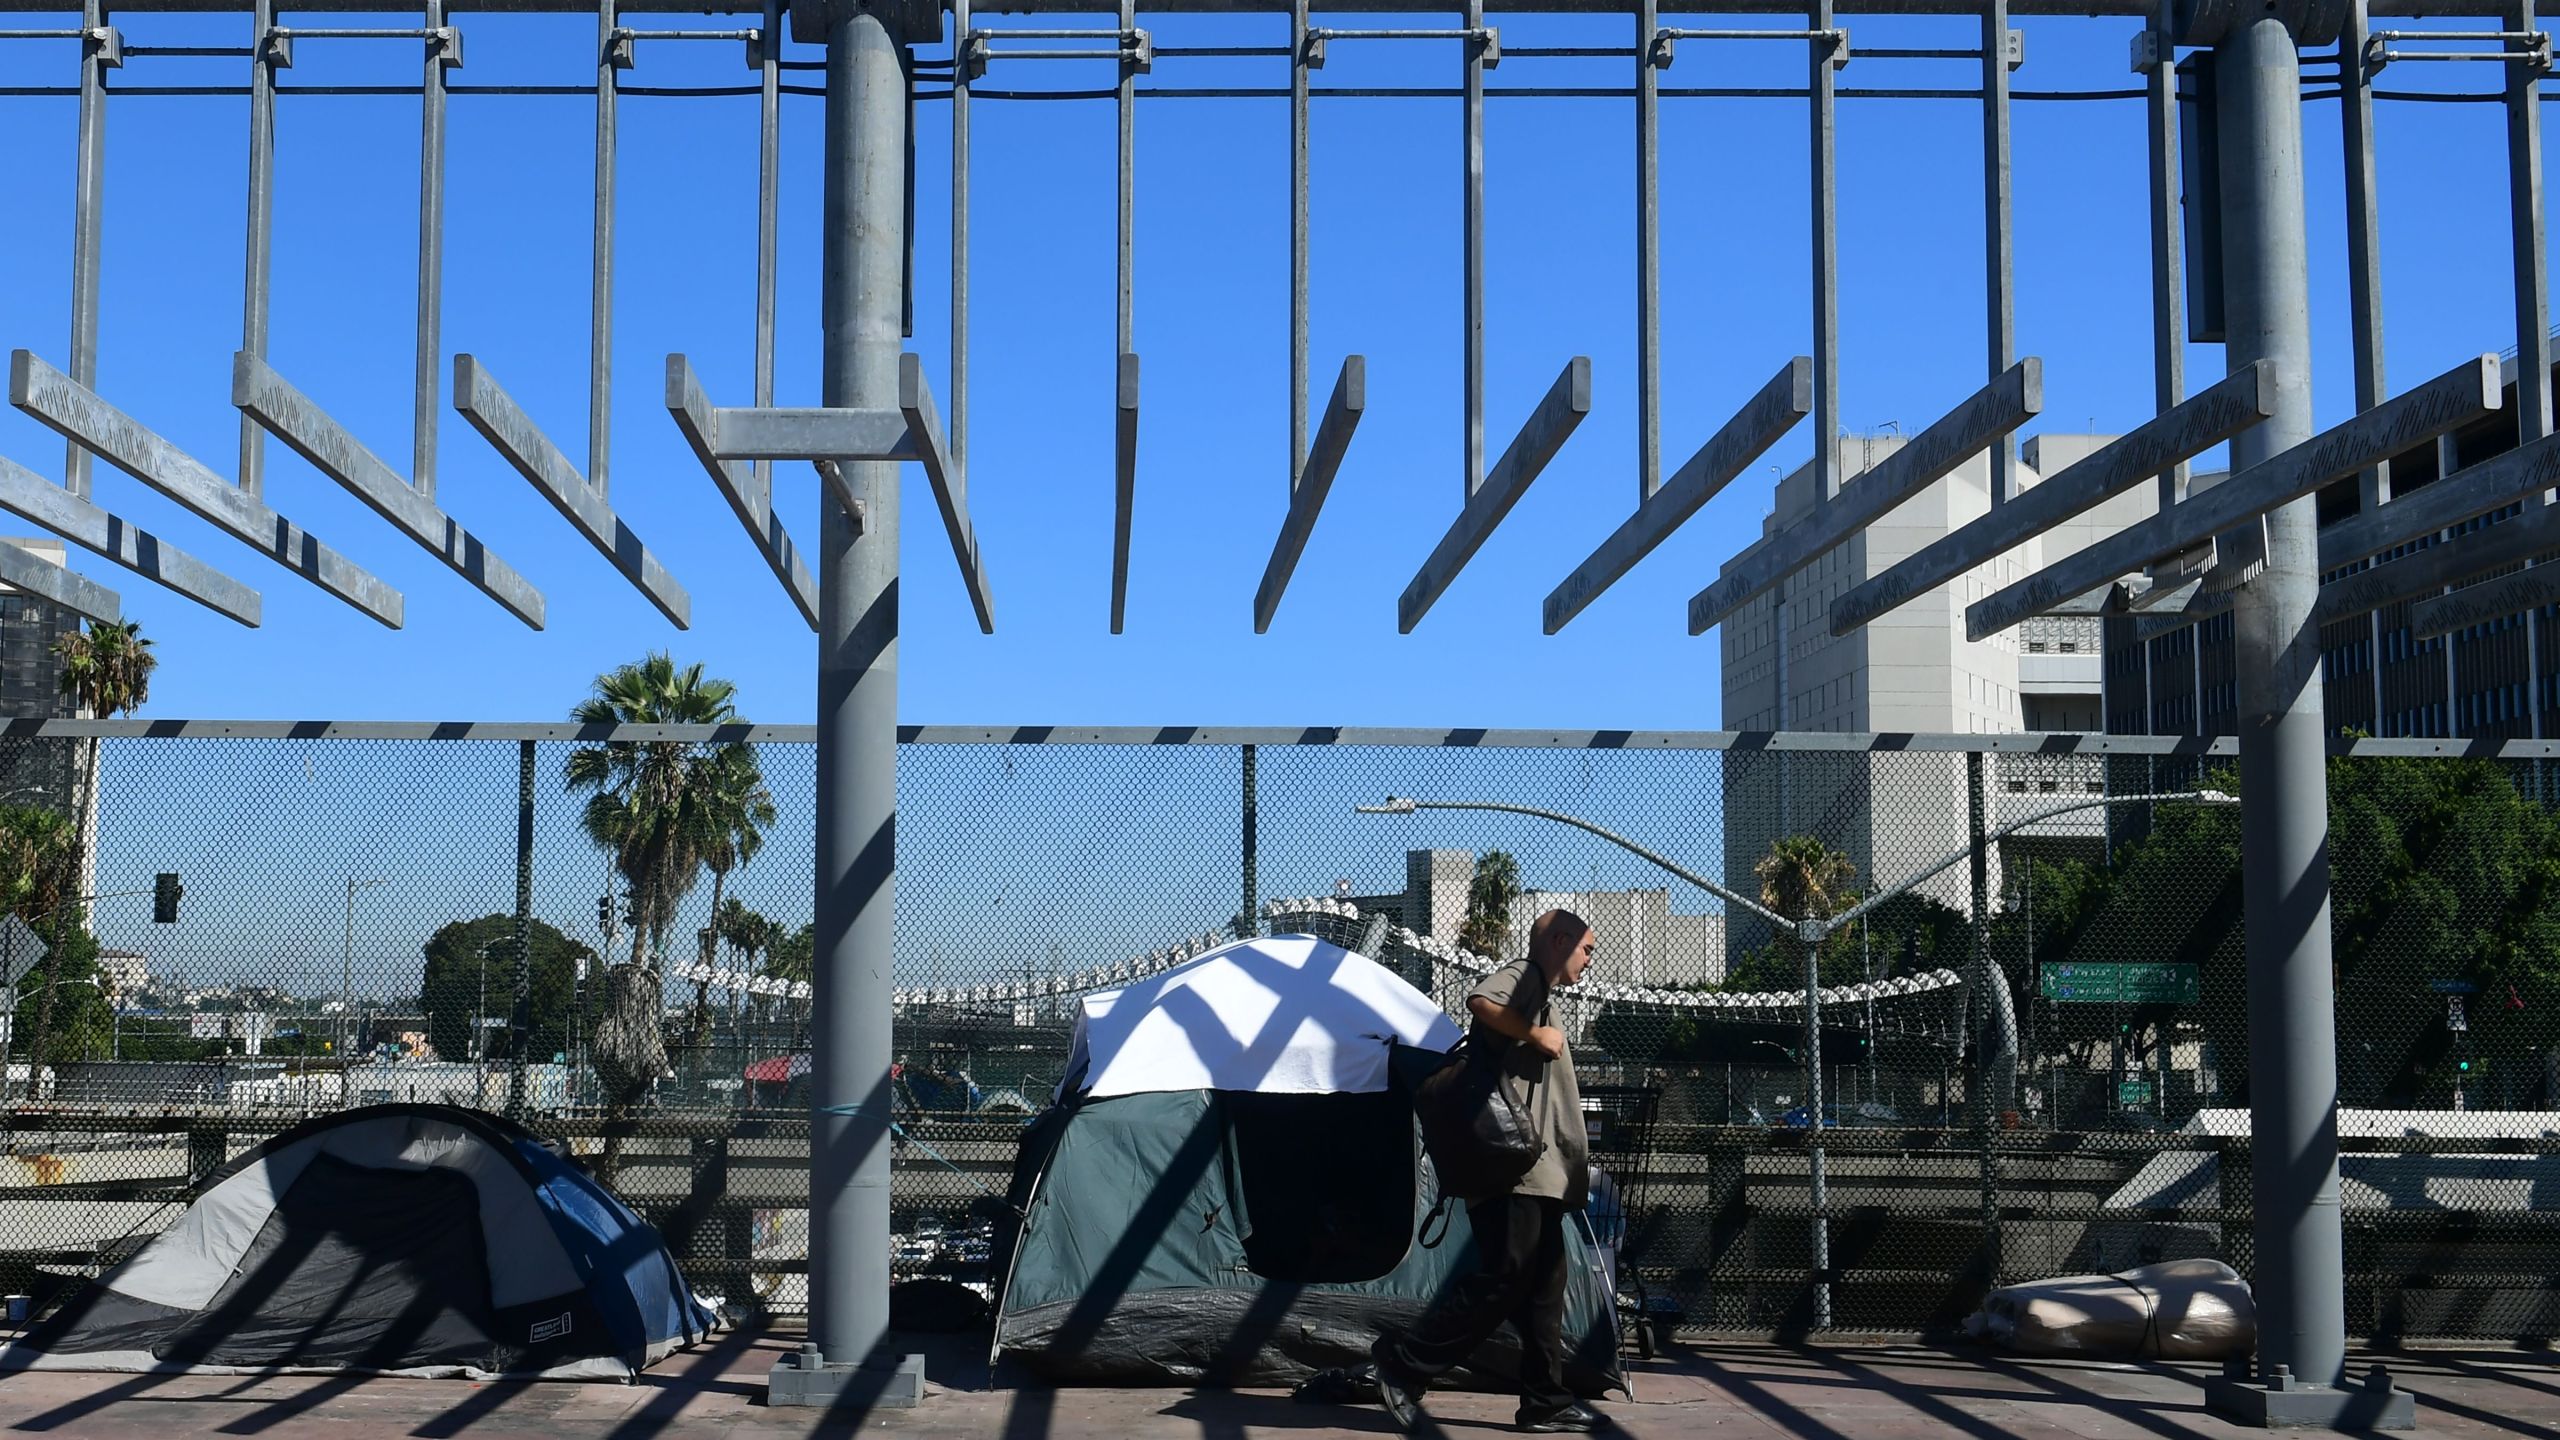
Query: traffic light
[[604, 913], [165, 891]]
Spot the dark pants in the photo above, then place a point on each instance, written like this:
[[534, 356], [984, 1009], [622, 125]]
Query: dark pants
[[1520, 1255]]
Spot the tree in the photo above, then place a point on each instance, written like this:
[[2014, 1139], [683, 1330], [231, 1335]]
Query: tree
[[1490, 895], [743, 930], [662, 809], [1802, 879], [470, 973], [736, 810], [106, 670], [793, 957]]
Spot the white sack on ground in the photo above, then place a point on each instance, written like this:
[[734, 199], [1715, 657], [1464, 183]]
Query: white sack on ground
[[2184, 1310]]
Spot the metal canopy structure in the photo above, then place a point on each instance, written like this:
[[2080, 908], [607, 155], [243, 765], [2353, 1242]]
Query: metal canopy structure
[[2235, 272]]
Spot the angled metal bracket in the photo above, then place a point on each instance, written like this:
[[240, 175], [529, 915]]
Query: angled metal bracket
[[312, 433], [2463, 394], [76, 519], [50, 582], [2526, 472], [485, 403], [1962, 433], [1315, 480], [1766, 416], [2464, 495], [80, 416], [2536, 535], [1124, 485], [2233, 404], [749, 493], [1544, 433], [913, 431]]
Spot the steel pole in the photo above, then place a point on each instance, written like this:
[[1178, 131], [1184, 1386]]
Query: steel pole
[[2293, 1069], [861, 309], [519, 1011], [1987, 1100], [1249, 919], [347, 977]]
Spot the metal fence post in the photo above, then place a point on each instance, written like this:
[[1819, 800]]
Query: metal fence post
[[518, 1031], [1985, 1101], [1249, 920]]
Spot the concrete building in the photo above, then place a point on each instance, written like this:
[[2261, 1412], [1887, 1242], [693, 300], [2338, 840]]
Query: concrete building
[[35, 772], [1911, 671], [1642, 940], [124, 975]]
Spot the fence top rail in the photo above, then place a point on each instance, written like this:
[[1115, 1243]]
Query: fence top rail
[[2133, 9], [1322, 736]]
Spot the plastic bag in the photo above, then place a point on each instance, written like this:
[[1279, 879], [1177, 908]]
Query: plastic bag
[[2184, 1310]]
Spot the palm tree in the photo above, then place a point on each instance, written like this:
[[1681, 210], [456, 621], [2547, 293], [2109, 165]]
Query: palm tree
[[1487, 928], [743, 930], [664, 810], [33, 844], [1805, 879], [106, 670], [736, 810]]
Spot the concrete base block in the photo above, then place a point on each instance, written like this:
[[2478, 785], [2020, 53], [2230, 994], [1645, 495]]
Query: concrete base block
[[888, 1382], [2283, 1403]]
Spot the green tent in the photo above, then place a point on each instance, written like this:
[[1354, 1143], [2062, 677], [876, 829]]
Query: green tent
[[1245, 1237]]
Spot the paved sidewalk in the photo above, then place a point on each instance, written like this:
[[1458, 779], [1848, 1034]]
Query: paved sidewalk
[[1727, 1391]]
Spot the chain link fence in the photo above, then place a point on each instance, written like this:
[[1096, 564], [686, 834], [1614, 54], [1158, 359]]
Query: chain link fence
[[369, 914]]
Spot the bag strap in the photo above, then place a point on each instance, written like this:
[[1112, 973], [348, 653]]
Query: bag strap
[[1440, 1212]]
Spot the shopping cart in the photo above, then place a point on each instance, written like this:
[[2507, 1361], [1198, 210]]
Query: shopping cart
[[1619, 1121]]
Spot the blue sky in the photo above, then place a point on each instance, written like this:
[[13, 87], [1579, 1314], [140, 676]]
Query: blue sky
[[1212, 314]]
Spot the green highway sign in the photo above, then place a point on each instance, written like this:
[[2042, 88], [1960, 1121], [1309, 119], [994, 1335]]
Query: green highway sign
[[2133, 1092], [2144, 984]]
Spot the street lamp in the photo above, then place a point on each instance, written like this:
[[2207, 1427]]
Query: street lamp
[[347, 967], [1811, 931]]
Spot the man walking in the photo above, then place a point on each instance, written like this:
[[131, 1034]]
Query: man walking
[[1519, 1236]]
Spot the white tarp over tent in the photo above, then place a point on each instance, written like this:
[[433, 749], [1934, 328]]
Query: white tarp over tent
[[1282, 1014]]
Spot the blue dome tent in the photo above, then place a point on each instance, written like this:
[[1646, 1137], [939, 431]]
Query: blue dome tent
[[420, 1240]]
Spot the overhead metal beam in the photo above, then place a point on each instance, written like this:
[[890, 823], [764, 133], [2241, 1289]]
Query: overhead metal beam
[[747, 488], [50, 582], [2232, 404], [2429, 571], [2538, 536], [950, 487], [26, 493], [789, 432], [80, 416], [310, 432], [1124, 489], [2525, 471], [1962, 433], [1548, 426], [1786, 399], [1315, 480], [495, 414], [2465, 393], [2464, 495]]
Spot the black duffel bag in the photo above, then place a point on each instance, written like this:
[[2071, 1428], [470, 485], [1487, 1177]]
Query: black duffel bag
[[1480, 1142]]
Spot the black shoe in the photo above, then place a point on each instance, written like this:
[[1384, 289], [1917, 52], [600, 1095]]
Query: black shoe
[[1575, 1418], [1401, 1397]]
